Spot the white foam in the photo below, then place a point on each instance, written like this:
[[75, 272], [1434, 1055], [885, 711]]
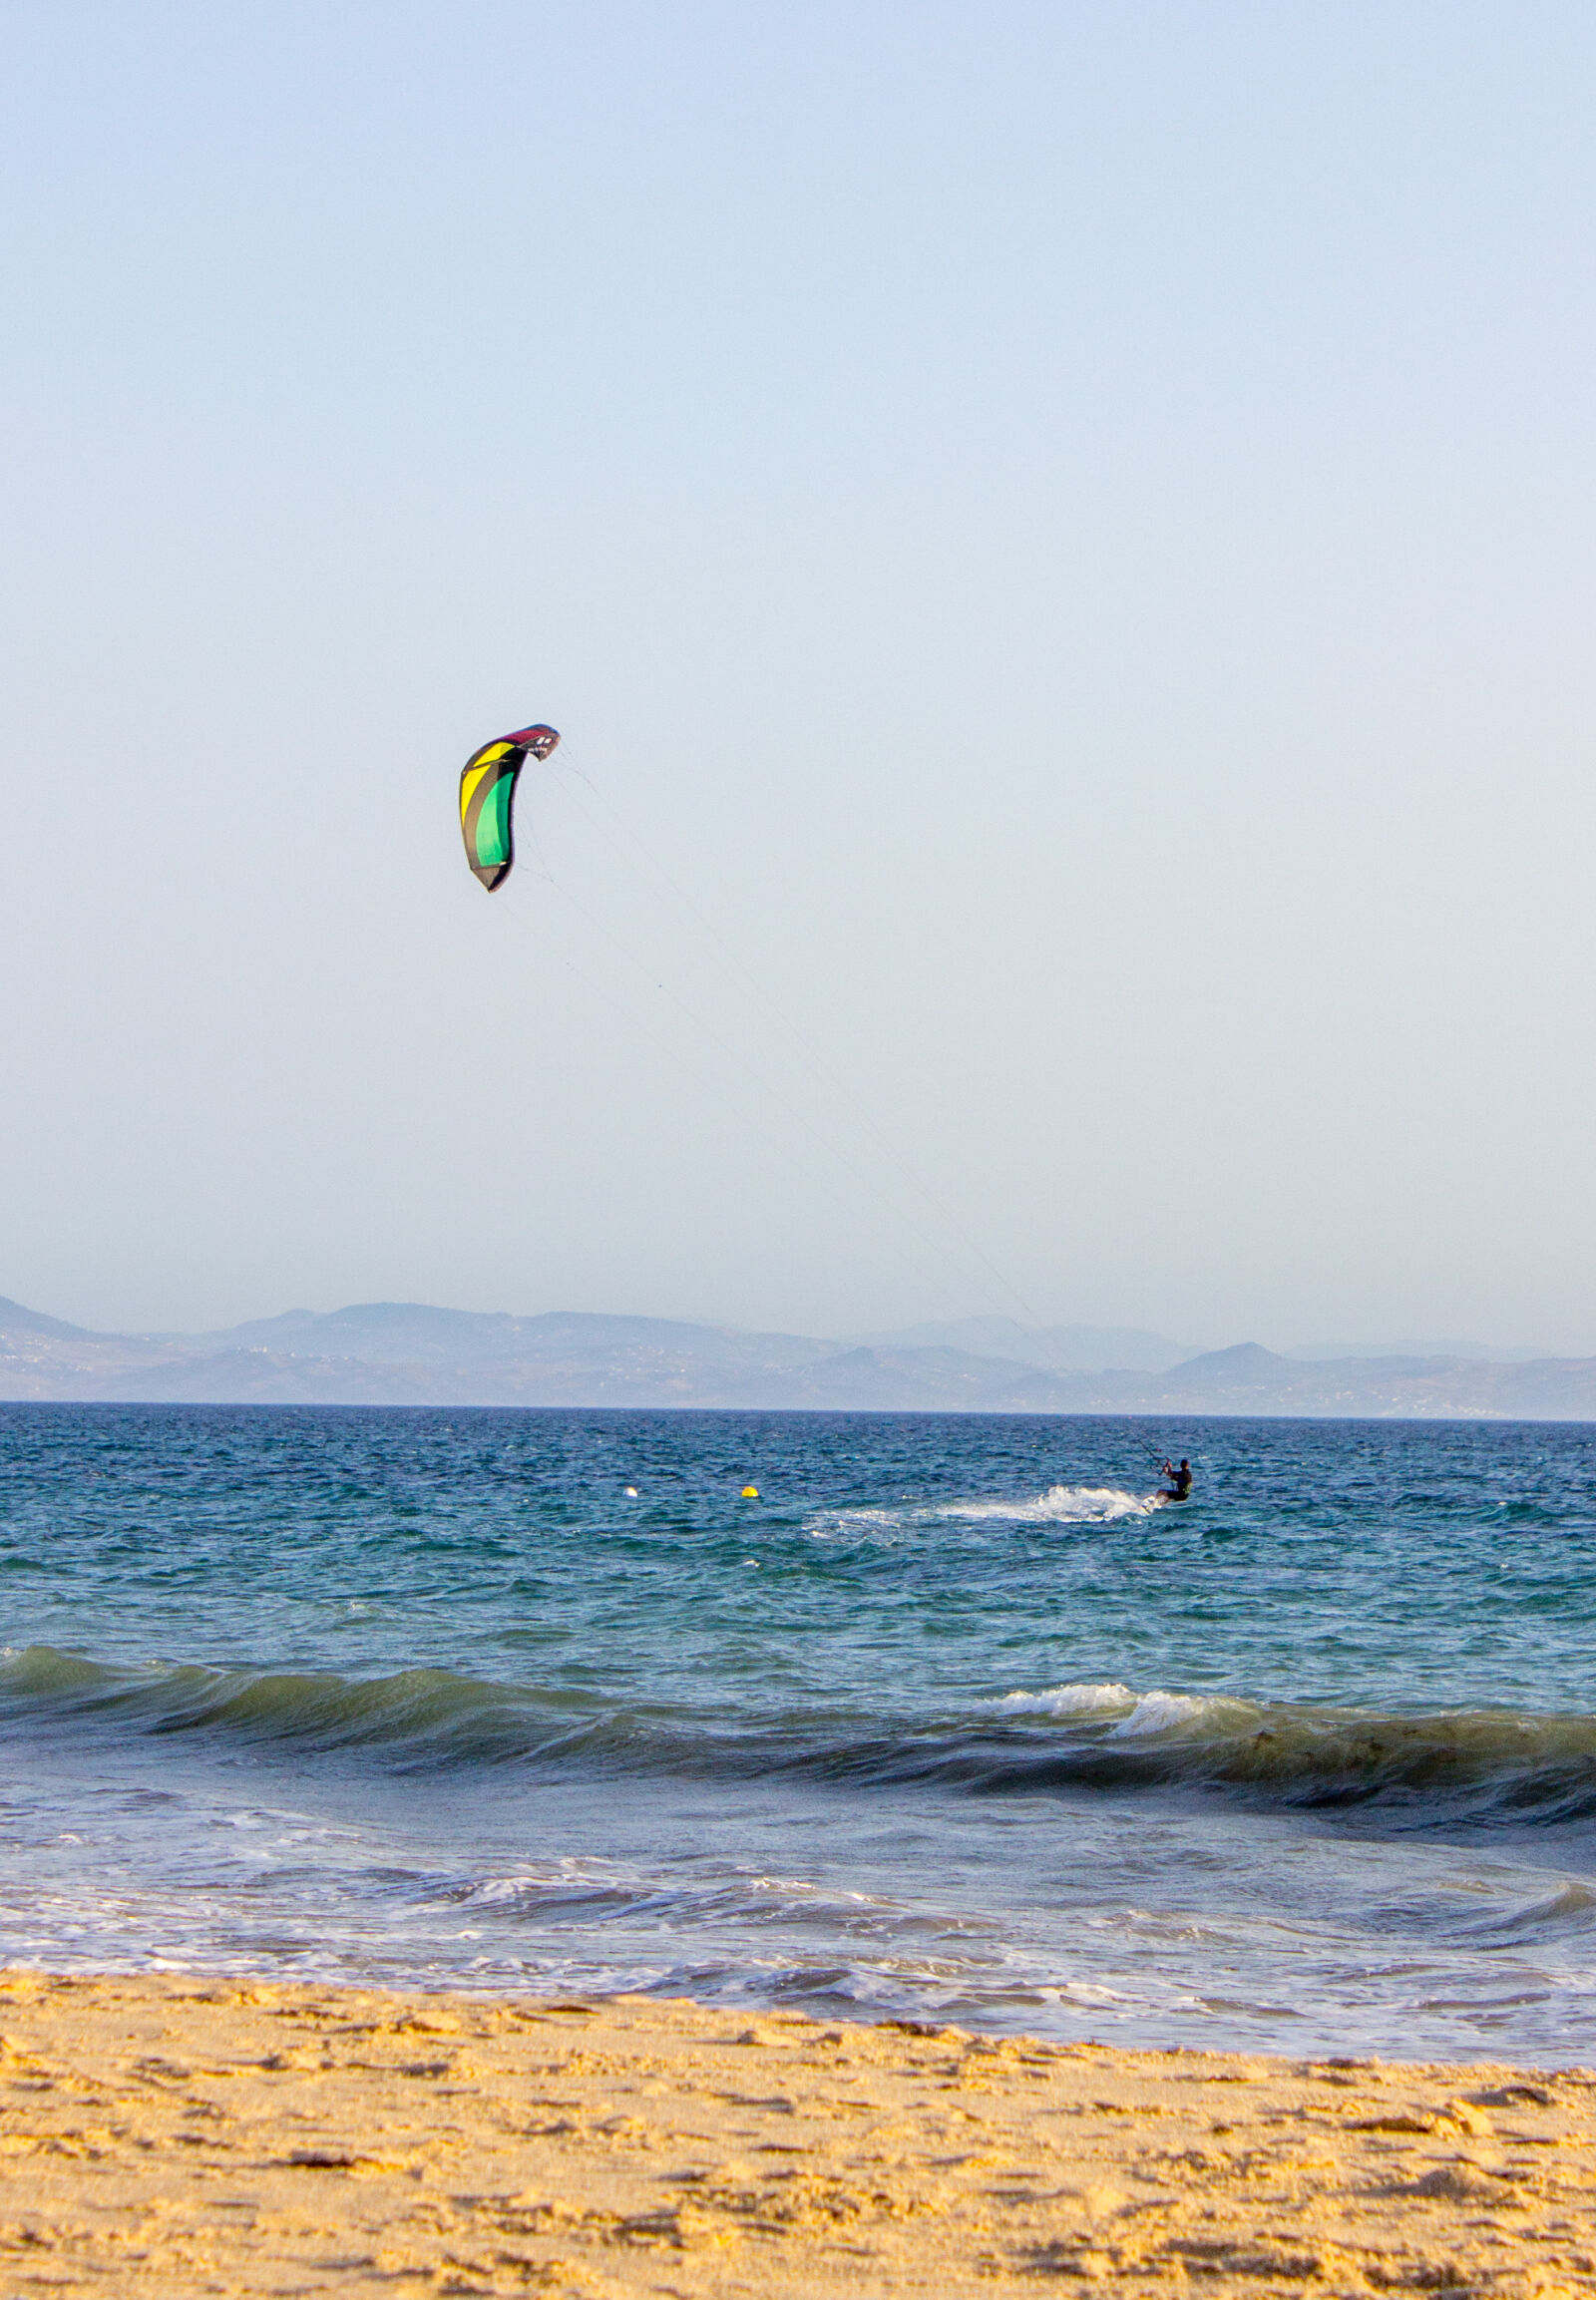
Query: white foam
[[1158, 1713], [1063, 1505], [1059, 1505], [1134, 1716], [1069, 1700], [863, 1521]]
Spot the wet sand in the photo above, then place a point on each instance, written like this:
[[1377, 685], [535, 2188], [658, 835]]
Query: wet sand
[[179, 2136]]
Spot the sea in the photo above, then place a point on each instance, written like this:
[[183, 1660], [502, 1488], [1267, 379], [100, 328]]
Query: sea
[[954, 1721]]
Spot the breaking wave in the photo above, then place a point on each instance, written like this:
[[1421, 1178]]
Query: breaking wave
[[1486, 1764]]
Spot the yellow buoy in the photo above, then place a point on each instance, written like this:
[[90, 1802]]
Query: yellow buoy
[[750, 1493]]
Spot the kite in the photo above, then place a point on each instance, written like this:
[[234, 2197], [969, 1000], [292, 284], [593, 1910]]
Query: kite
[[487, 795]]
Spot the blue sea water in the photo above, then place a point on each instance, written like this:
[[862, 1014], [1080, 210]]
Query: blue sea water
[[954, 1722]]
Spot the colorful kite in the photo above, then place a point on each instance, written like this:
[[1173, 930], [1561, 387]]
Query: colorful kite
[[487, 795]]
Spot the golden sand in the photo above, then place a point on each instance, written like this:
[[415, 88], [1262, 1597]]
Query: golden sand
[[179, 2136]]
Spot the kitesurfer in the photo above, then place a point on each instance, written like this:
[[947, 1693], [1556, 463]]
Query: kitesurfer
[[1179, 1486]]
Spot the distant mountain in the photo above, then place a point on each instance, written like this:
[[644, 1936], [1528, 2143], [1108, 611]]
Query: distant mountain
[[1317, 1351], [1250, 1380], [410, 1353], [407, 1353], [1062, 1348], [15, 1320], [415, 1333]]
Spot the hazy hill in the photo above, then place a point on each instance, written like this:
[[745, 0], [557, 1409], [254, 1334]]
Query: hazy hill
[[410, 1353], [1250, 1380], [1061, 1349], [414, 1333], [1319, 1351]]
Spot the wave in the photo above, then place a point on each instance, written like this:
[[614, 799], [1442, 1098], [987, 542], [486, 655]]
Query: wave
[[1129, 1714], [1516, 1764], [1489, 1764]]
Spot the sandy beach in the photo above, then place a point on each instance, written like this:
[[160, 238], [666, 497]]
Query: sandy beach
[[178, 2136]]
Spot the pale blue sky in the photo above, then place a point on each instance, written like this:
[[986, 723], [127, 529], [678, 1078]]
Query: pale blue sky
[[1063, 535]]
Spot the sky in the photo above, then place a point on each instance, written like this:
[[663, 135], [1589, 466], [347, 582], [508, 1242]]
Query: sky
[[1059, 540]]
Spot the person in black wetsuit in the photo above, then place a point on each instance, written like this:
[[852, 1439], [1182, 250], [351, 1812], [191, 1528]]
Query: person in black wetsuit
[[1179, 1486]]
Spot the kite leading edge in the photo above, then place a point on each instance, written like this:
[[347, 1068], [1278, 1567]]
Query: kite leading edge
[[488, 796]]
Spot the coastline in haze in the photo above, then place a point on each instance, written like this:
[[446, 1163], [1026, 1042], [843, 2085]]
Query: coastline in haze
[[409, 1353]]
